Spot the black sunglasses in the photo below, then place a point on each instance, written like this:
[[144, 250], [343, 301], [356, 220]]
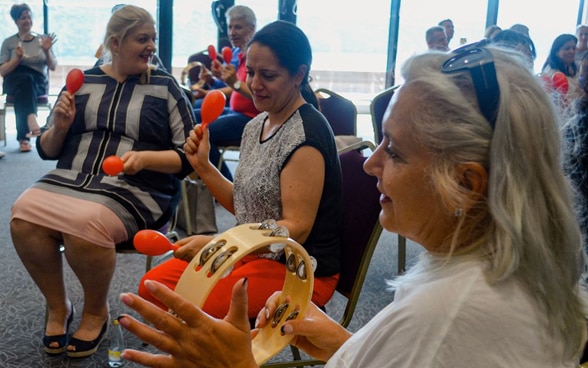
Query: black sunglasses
[[480, 63]]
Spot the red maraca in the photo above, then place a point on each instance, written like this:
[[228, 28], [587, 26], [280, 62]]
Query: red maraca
[[213, 105], [74, 80], [212, 52], [113, 165], [227, 54], [152, 243], [560, 82]]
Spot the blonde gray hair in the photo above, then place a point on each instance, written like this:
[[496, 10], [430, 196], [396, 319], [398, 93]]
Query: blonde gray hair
[[242, 12], [525, 226], [122, 21]]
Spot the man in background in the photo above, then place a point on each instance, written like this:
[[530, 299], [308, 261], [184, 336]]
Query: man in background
[[449, 29], [437, 39]]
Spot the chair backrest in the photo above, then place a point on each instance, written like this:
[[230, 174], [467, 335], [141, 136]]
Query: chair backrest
[[361, 231], [339, 111], [378, 108], [191, 73], [204, 58]]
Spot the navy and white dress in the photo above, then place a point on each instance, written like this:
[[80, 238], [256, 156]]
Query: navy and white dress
[[111, 119]]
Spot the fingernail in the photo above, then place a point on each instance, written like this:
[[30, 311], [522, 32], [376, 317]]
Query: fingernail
[[123, 321], [150, 285], [286, 329], [267, 314], [126, 298], [245, 282]]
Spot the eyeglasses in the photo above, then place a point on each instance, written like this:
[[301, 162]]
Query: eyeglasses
[[480, 63]]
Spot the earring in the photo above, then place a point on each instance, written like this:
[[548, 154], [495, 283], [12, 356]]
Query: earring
[[458, 212]]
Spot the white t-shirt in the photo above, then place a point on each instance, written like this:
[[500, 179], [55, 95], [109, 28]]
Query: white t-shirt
[[454, 319]]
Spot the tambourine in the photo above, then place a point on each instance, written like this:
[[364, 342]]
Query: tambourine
[[217, 259]]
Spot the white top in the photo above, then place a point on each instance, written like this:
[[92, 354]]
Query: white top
[[454, 319], [34, 57]]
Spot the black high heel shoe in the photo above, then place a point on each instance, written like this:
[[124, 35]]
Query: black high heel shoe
[[62, 340], [83, 348]]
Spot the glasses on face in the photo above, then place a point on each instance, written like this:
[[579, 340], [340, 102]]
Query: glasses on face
[[479, 62]]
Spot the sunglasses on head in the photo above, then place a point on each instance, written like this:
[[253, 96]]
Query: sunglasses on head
[[479, 62]]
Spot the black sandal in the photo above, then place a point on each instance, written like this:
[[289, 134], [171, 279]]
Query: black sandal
[[62, 340], [83, 348]]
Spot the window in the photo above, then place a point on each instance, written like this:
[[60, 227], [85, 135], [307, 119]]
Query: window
[[266, 11], [469, 20], [349, 45], [194, 29]]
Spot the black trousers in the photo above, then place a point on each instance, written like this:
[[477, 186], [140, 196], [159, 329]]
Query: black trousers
[[24, 84]]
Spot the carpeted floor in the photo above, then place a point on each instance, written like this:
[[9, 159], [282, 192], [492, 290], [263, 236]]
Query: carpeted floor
[[22, 306]]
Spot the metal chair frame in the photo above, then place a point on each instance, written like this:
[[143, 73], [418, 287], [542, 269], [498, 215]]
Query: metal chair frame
[[43, 102]]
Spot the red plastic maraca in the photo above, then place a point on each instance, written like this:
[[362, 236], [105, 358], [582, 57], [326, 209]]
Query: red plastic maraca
[[113, 165], [152, 243], [74, 80], [560, 82], [213, 105], [227, 54], [212, 52]]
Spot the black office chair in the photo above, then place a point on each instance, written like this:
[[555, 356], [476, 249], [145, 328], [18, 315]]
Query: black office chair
[[340, 112], [378, 108]]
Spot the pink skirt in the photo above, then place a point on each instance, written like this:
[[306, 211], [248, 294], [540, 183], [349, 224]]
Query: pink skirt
[[87, 220]]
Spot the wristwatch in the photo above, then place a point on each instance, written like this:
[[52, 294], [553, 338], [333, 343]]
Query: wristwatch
[[237, 85]]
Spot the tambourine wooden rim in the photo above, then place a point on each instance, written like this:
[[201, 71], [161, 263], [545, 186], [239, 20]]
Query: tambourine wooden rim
[[217, 259]]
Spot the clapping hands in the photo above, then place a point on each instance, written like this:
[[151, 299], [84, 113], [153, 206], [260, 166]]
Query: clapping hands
[[47, 41]]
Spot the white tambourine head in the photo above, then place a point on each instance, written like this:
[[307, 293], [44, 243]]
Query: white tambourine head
[[217, 258]]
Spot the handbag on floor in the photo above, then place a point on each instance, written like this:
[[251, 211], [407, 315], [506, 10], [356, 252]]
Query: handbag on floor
[[196, 206]]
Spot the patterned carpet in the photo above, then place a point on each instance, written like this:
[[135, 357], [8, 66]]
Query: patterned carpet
[[22, 306]]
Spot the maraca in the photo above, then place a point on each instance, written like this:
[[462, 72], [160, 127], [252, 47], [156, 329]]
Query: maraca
[[213, 105], [74, 80], [113, 165], [152, 243], [227, 54], [212, 52], [560, 82]]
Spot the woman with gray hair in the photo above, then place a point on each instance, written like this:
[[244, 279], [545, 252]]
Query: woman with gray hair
[[470, 168]]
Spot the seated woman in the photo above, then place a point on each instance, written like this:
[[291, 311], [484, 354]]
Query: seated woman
[[24, 60], [288, 171], [498, 283], [123, 108]]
